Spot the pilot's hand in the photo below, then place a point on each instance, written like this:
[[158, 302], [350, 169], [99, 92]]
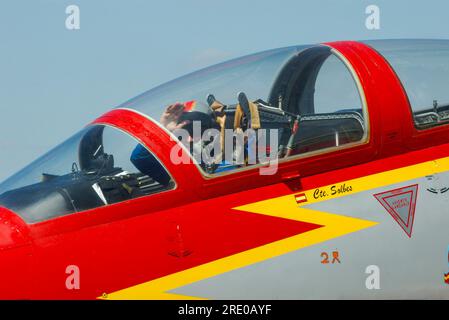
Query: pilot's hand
[[171, 115]]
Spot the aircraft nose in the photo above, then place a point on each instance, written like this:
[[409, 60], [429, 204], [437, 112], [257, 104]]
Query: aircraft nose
[[14, 232]]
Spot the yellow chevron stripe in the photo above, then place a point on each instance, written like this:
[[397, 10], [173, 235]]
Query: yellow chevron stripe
[[334, 226], [285, 207]]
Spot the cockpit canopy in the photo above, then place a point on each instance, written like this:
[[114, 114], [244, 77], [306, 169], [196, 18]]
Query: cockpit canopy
[[309, 98], [311, 85], [274, 76]]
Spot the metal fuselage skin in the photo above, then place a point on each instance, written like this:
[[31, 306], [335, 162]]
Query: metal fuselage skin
[[243, 235]]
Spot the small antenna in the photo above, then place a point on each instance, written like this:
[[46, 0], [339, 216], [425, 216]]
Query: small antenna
[[74, 168], [280, 102], [435, 106]]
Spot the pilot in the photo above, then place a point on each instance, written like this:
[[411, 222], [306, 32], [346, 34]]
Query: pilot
[[176, 116], [147, 163]]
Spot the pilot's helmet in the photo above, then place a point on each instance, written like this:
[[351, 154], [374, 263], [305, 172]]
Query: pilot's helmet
[[198, 118]]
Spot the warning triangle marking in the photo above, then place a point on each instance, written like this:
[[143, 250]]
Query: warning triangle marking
[[400, 204]]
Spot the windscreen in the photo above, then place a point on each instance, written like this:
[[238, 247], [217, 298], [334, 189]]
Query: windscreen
[[98, 166]]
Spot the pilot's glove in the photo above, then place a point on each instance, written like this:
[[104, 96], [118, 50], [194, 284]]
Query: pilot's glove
[[171, 115]]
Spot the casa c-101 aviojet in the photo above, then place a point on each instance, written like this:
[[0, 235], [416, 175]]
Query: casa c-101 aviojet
[[357, 206]]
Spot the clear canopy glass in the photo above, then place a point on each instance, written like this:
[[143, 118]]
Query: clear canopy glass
[[98, 166], [253, 74]]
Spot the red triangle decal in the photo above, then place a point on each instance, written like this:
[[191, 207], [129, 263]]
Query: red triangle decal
[[400, 204]]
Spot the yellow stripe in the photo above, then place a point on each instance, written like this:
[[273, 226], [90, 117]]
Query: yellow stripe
[[383, 179], [284, 207], [335, 226]]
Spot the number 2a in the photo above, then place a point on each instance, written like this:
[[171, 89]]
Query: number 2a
[[325, 257]]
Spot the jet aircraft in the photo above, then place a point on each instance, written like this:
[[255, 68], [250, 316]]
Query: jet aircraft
[[355, 208]]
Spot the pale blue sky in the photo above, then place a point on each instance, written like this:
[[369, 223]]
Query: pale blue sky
[[53, 81]]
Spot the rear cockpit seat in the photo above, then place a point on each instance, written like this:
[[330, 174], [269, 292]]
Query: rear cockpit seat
[[321, 131]]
